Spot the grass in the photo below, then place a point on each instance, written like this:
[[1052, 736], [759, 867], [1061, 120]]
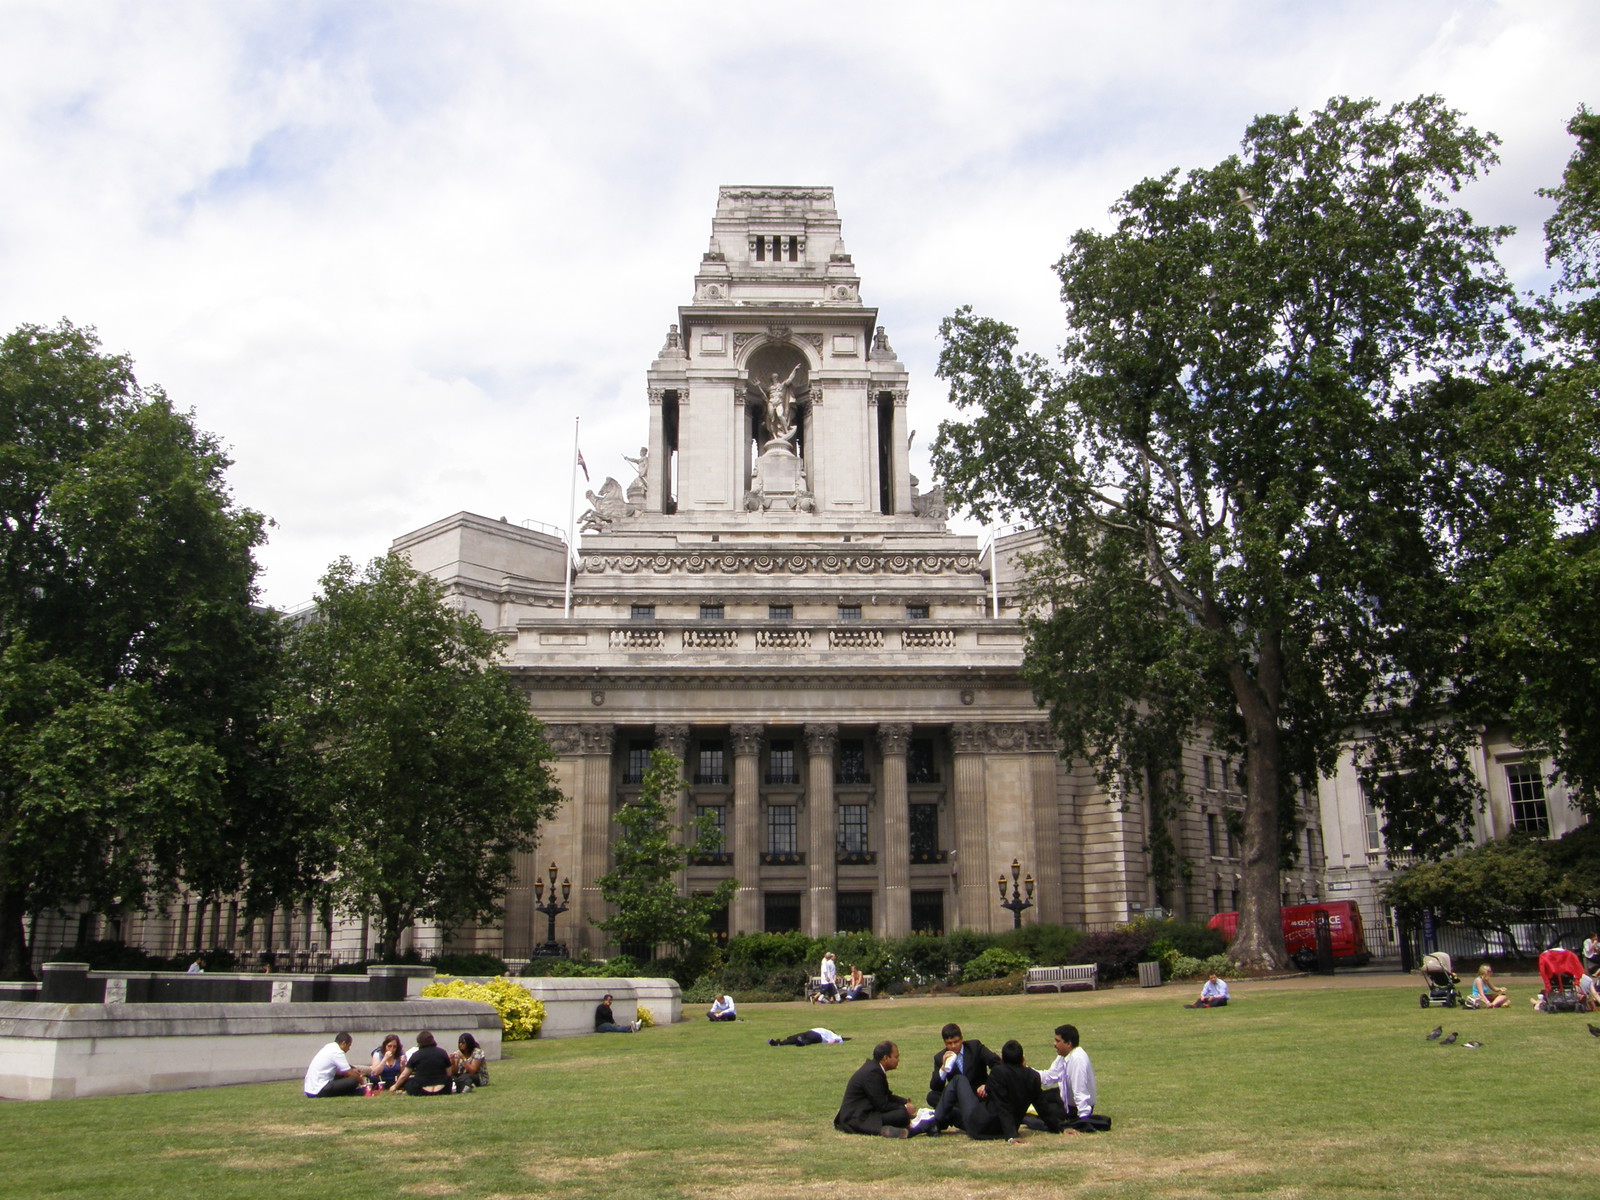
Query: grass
[[1302, 1088]]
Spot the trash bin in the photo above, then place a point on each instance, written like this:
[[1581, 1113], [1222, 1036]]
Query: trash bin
[[1150, 974]]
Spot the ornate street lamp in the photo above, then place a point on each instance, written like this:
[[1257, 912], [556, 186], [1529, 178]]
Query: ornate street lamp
[[1016, 904], [551, 948]]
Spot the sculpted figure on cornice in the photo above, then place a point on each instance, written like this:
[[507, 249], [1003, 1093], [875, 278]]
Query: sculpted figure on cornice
[[894, 738], [607, 508], [1007, 739]]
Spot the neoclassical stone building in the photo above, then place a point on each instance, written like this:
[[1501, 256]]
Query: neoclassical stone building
[[772, 599]]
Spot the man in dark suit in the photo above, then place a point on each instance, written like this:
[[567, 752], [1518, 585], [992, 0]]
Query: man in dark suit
[[1011, 1088], [869, 1106], [969, 1059]]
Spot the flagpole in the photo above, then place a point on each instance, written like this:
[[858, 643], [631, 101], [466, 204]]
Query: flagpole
[[572, 516]]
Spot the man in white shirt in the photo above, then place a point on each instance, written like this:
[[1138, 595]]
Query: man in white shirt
[[330, 1072], [1074, 1075], [1213, 995], [809, 1037], [829, 991], [1591, 953], [722, 1009]]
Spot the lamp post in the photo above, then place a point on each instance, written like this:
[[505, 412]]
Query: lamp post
[[1016, 904], [551, 949]]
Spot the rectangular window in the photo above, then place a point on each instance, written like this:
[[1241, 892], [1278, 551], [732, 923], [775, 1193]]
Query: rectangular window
[[642, 612], [638, 760], [927, 913], [782, 831], [853, 828], [717, 925], [711, 612], [916, 612], [780, 763], [853, 912], [1211, 835], [1529, 812], [1208, 772], [1230, 822], [921, 766], [853, 761], [782, 912], [718, 818], [780, 612], [849, 612], [1374, 816], [711, 767], [925, 833], [1216, 901]]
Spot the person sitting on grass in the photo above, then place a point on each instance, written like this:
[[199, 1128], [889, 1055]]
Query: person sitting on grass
[[809, 1037], [470, 1063], [1073, 1073], [1012, 1089], [1485, 993], [722, 1009], [388, 1060], [330, 1072], [428, 1070], [1213, 995], [869, 1107], [605, 1022]]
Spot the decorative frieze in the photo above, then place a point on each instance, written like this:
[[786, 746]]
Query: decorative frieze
[[968, 737], [855, 639], [710, 639], [894, 738], [783, 639], [927, 639], [636, 639], [810, 563]]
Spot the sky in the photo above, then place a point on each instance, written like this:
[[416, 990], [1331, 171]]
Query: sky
[[388, 253]]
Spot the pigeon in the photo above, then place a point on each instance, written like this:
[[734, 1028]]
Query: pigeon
[[1472, 1045], [1247, 201], [1594, 1030], [1438, 1032], [1450, 1041]]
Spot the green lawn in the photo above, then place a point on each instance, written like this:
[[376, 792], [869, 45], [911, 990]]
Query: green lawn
[[1302, 1088]]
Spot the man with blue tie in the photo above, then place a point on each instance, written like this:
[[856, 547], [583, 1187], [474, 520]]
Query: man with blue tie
[[970, 1059]]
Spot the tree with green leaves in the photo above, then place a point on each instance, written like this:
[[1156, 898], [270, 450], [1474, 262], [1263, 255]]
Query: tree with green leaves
[[1258, 470], [642, 887], [133, 664], [415, 755], [1539, 602], [1490, 888]]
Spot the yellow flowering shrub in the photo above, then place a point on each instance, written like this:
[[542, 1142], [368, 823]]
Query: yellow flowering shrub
[[521, 1016], [646, 1016]]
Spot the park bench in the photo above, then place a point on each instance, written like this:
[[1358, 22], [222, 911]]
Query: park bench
[[1062, 979], [814, 985]]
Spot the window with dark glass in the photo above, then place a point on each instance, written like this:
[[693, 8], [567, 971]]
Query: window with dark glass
[[782, 830], [711, 612], [853, 761], [780, 612], [1529, 812], [1212, 845], [710, 767], [780, 763], [782, 912], [642, 612], [927, 913], [921, 766], [638, 761], [849, 612], [717, 925], [916, 612], [924, 833], [853, 828], [853, 912]]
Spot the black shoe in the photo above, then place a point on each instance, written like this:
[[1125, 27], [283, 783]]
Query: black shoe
[[772, 1041]]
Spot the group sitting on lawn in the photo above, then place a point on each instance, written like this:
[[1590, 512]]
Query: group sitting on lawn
[[425, 1070]]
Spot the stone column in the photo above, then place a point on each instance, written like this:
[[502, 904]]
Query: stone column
[[893, 741], [594, 803], [974, 900], [674, 739], [821, 742], [1042, 759], [745, 914], [901, 454], [656, 478]]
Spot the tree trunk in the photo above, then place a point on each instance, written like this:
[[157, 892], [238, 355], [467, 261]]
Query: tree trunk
[[16, 963], [1259, 943]]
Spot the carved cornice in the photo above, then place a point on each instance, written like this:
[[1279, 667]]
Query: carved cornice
[[894, 738], [1041, 739], [775, 193], [563, 739], [746, 739], [968, 737], [757, 563], [1007, 739], [580, 739], [821, 740]]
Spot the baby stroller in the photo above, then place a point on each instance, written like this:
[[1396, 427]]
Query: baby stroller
[[1560, 970], [1442, 981]]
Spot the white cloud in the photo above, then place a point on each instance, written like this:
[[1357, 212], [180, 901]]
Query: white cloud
[[389, 252]]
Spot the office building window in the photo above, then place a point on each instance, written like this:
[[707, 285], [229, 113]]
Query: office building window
[[927, 913], [916, 612], [853, 829], [642, 612], [1374, 821], [1208, 772], [853, 761], [780, 763], [849, 612], [711, 612], [782, 831], [924, 833], [718, 821], [921, 767], [1529, 812], [780, 612], [711, 767], [853, 912], [782, 912], [1212, 845], [638, 760]]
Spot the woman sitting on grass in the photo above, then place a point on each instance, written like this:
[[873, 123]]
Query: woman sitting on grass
[[1485, 994], [472, 1068], [388, 1060]]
